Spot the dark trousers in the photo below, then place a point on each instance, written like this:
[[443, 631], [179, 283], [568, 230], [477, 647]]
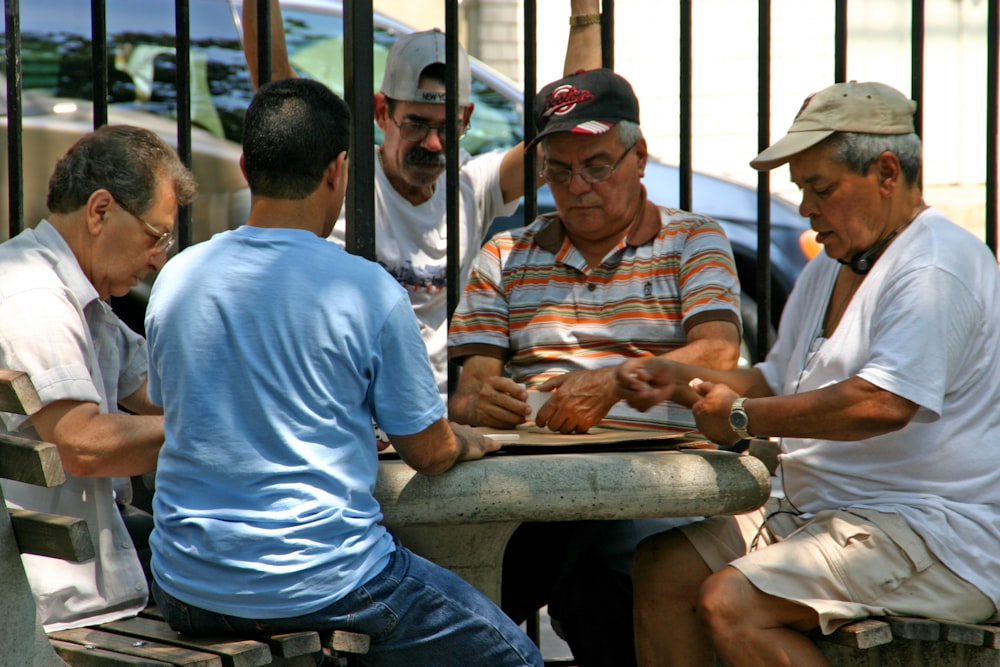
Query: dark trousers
[[582, 571]]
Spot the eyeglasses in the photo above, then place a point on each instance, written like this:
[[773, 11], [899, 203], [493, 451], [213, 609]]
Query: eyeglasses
[[415, 131], [164, 240], [594, 173]]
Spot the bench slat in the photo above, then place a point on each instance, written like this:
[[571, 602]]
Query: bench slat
[[862, 634], [30, 461], [173, 655], [17, 393], [908, 627], [234, 652], [284, 645], [52, 535], [963, 633], [82, 656]]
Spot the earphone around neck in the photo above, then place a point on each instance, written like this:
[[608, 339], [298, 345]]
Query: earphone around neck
[[863, 262]]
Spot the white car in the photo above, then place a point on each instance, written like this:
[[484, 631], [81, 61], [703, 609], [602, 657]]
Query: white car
[[56, 66]]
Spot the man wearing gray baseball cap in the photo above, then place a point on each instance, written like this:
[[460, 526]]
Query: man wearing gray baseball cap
[[411, 238], [882, 387]]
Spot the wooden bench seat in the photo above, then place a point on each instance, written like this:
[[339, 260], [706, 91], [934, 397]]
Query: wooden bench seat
[[143, 641], [904, 641]]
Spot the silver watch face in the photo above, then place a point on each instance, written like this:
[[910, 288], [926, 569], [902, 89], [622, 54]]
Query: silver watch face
[[738, 420]]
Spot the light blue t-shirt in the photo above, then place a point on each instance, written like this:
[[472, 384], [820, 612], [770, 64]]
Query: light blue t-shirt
[[271, 351]]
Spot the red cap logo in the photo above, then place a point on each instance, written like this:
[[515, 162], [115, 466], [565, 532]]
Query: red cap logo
[[563, 99]]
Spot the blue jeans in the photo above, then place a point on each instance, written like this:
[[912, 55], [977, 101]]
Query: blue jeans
[[415, 612]]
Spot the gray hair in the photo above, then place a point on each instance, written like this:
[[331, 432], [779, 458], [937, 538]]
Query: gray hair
[[126, 161], [859, 151], [629, 133]]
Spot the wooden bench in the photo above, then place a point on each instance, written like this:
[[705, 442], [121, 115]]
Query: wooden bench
[[146, 640], [903, 641]]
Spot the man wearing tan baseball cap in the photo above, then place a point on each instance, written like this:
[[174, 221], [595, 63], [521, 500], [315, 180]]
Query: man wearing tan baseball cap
[[882, 387]]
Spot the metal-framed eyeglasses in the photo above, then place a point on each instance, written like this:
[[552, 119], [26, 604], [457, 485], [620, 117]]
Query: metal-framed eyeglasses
[[164, 240], [416, 131], [591, 174]]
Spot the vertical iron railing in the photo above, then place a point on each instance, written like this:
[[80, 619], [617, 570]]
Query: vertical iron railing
[[15, 135], [359, 93], [358, 69], [763, 273]]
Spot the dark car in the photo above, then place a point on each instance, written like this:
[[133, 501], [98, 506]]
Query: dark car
[[56, 64]]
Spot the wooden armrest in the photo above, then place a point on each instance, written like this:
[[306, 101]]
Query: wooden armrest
[[52, 535], [17, 394], [30, 461]]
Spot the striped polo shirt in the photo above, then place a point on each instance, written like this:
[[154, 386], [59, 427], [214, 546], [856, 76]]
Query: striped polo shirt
[[533, 301]]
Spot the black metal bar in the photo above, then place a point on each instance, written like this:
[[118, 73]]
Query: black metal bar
[[264, 18], [608, 34], [530, 87], [358, 90], [992, 112], [99, 60], [451, 155], [840, 42], [183, 64], [763, 286], [917, 35], [684, 172], [452, 166], [15, 115]]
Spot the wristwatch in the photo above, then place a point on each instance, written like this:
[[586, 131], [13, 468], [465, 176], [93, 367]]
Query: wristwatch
[[738, 419]]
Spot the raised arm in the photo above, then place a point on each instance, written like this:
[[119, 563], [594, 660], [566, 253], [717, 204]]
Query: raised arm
[[280, 67], [583, 51]]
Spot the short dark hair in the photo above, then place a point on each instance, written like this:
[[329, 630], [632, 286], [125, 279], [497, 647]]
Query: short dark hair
[[125, 160], [293, 130]]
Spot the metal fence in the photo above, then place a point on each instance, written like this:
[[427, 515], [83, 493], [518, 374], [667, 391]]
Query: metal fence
[[358, 68]]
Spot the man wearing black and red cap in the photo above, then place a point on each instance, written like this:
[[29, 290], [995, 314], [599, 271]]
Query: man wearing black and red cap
[[557, 306]]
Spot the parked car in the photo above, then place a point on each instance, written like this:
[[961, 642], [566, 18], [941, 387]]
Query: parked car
[[56, 66]]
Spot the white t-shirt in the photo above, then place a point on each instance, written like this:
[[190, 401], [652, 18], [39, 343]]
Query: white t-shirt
[[411, 243], [924, 325]]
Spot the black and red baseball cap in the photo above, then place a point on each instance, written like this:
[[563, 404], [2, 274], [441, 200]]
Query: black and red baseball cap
[[587, 102]]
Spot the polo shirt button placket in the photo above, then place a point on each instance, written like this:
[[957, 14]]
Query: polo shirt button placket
[[591, 287]]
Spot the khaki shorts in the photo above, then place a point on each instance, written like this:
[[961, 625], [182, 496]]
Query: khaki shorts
[[844, 564]]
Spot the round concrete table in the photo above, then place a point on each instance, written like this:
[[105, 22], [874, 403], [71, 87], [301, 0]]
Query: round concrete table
[[463, 518]]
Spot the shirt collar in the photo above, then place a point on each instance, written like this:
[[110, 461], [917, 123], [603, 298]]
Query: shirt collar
[[67, 266]]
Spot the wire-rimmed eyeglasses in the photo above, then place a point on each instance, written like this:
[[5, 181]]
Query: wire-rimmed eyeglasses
[[416, 131], [593, 173]]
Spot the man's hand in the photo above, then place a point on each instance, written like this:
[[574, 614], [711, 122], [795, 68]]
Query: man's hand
[[582, 399], [645, 382], [472, 445], [500, 403], [711, 411]]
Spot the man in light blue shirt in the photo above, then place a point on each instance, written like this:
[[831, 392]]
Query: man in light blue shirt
[[272, 351]]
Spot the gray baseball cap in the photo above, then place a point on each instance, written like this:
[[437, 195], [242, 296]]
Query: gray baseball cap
[[407, 60]]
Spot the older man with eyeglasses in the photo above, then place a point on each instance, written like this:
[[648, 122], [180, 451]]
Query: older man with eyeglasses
[[113, 201], [558, 306]]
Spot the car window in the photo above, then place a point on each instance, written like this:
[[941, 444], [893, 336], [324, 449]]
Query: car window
[[56, 60]]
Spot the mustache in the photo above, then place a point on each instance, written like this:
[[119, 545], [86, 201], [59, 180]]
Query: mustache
[[424, 157]]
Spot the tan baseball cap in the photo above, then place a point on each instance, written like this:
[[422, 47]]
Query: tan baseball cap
[[869, 108]]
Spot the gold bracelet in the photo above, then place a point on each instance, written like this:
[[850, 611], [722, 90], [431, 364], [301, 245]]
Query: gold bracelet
[[586, 19]]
